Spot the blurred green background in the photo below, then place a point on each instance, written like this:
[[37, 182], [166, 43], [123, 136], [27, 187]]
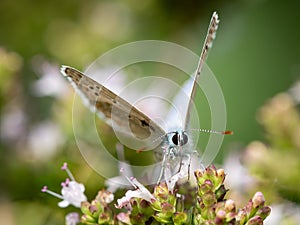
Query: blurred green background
[[255, 56]]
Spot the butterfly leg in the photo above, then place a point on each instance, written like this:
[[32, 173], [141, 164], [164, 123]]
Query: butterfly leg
[[163, 166], [189, 166], [180, 156], [180, 164]]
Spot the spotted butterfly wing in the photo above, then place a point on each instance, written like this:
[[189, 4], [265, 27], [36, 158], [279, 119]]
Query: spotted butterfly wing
[[178, 146], [109, 106], [179, 115]]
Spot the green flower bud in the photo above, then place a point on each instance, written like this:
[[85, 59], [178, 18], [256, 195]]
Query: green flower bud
[[95, 208], [219, 178], [156, 205], [256, 220], [161, 191], [167, 207], [86, 219], [145, 208], [207, 186], [242, 216], [163, 218], [85, 208], [103, 218], [180, 218], [137, 219], [209, 198], [230, 216], [264, 212], [211, 171]]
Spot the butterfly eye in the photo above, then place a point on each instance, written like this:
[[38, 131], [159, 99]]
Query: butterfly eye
[[175, 138], [183, 139]]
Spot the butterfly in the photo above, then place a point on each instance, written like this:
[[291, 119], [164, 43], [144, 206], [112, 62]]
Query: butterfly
[[172, 144]]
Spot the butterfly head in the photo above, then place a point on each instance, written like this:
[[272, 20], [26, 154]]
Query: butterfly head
[[178, 138]]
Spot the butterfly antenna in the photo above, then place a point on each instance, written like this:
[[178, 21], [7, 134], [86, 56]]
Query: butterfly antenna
[[226, 132]]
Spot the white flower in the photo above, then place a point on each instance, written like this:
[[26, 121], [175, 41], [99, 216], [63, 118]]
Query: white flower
[[72, 218], [72, 192], [140, 192]]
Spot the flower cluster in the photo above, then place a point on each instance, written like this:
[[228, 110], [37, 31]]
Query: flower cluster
[[204, 203], [98, 211], [275, 161], [213, 208]]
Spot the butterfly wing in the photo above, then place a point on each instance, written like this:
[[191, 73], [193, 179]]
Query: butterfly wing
[[178, 117], [112, 108], [211, 34]]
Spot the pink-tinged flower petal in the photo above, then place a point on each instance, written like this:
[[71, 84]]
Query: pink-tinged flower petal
[[72, 218], [124, 202], [124, 218], [44, 189], [64, 166], [141, 192]]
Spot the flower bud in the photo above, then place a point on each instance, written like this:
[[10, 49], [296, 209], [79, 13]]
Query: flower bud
[[221, 214], [258, 200], [123, 217], [103, 218], [166, 207], [264, 211], [256, 220], [104, 197], [85, 207], [87, 219], [180, 218], [161, 191], [209, 199], [230, 205]]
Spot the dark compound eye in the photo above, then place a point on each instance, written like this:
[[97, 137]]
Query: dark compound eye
[[184, 139], [175, 139]]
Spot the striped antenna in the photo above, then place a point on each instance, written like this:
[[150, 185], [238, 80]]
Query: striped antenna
[[226, 132]]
